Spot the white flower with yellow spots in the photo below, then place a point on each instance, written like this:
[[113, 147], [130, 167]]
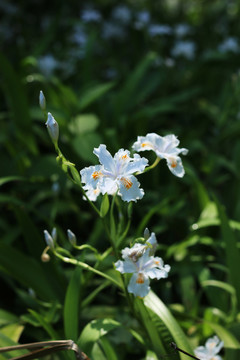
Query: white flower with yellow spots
[[210, 350], [115, 174], [143, 267], [165, 147], [92, 193]]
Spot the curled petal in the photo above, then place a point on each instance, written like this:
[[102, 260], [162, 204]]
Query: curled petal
[[175, 166], [156, 273]]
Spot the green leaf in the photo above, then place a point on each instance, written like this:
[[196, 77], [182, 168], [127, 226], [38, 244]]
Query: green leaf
[[7, 318], [71, 305], [156, 305], [33, 240], [94, 94], [225, 335], [151, 355], [84, 144], [94, 330], [108, 349], [46, 325], [132, 84], [231, 249], [201, 191], [150, 328], [97, 353], [13, 331], [6, 341], [104, 206], [226, 287], [83, 124], [17, 101], [7, 179], [75, 175], [26, 270]]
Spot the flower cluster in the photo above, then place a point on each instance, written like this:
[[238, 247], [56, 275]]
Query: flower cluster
[[210, 350], [117, 174], [140, 262]]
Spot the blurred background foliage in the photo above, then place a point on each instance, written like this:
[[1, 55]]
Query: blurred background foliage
[[111, 71]]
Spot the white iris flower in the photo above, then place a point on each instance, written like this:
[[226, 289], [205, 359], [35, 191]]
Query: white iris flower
[[210, 350], [139, 262], [165, 147], [138, 249], [115, 174]]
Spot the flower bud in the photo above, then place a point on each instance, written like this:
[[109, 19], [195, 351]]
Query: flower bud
[[48, 239], [45, 257], [146, 234], [54, 234], [71, 237], [42, 101], [53, 128]]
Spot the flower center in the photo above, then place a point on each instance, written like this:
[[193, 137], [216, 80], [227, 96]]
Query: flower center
[[124, 157], [126, 183], [173, 163], [140, 279], [146, 144], [96, 174]]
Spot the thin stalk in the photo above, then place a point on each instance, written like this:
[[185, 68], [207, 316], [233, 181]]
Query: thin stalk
[[86, 267], [71, 165], [150, 167]]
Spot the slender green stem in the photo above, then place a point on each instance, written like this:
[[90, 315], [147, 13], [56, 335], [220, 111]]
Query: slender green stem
[[124, 234], [86, 246], [151, 166], [73, 179], [86, 267], [113, 227]]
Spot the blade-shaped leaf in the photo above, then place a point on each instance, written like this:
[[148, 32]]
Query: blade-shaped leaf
[[156, 305], [71, 306], [93, 331]]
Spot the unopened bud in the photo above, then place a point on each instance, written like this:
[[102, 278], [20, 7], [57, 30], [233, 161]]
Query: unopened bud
[[54, 234], [71, 237], [45, 257], [48, 239], [42, 101], [146, 234], [53, 128]]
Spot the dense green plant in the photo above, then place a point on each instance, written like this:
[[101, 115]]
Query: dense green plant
[[110, 89]]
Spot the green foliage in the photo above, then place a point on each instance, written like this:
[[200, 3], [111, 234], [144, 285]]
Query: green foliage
[[108, 89]]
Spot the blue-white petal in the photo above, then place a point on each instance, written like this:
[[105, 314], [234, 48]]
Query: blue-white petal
[[105, 158], [175, 166], [129, 188], [87, 175], [125, 267], [138, 289]]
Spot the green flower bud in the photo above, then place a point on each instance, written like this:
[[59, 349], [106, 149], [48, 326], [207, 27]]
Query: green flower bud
[[53, 128], [48, 239], [71, 237], [42, 101]]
